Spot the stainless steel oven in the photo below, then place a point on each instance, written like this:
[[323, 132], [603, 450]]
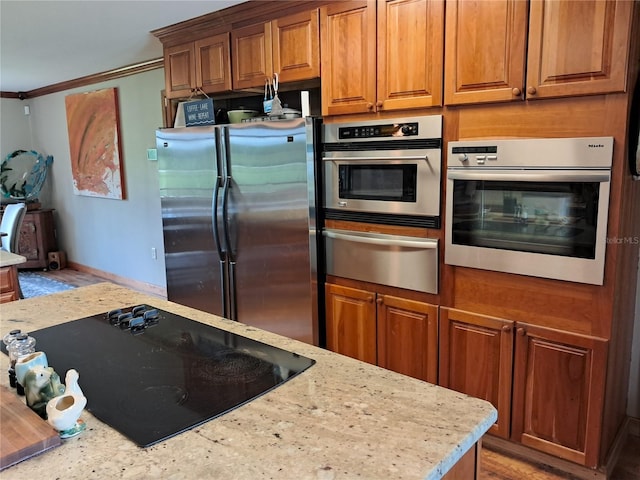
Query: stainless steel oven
[[534, 207], [384, 171]]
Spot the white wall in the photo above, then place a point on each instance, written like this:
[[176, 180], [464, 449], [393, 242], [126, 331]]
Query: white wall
[[15, 127], [114, 236]]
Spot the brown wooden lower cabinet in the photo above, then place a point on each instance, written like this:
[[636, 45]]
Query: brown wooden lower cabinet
[[468, 467], [9, 286], [476, 358], [558, 392], [554, 400], [351, 322], [385, 330]]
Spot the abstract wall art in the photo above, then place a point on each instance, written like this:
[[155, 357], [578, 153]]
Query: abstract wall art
[[94, 143]]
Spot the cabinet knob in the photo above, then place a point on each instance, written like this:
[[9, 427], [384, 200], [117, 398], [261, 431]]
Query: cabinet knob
[[379, 104], [370, 299], [506, 328], [531, 90], [380, 300], [516, 92], [521, 331], [370, 106]]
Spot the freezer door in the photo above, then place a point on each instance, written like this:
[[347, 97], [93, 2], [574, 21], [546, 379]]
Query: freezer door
[[188, 175], [268, 224]]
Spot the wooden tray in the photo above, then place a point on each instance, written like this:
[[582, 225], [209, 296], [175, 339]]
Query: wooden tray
[[23, 434]]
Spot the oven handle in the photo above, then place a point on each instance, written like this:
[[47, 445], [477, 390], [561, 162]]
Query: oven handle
[[368, 159], [391, 242], [532, 176]]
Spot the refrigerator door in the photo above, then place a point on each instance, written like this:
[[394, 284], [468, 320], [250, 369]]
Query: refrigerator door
[[188, 173], [268, 228]]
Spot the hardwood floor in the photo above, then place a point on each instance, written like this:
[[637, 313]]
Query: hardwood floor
[[73, 277], [494, 465]]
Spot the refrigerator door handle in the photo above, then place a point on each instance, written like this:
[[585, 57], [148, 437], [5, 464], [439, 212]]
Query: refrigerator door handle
[[225, 198], [233, 306], [231, 295], [222, 257]]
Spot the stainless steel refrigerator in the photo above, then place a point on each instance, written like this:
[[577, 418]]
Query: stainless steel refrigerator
[[239, 220]]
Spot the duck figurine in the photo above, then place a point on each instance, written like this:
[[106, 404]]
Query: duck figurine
[[41, 384], [63, 411]]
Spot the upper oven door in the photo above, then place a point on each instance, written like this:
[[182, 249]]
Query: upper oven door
[[546, 223], [404, 184]]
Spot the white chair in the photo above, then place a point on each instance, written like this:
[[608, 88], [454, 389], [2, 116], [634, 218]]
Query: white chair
[[10, 226]]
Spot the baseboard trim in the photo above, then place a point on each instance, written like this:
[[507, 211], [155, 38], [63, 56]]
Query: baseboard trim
[[142, 287], [630, 426], [634, 426], [528, 454]]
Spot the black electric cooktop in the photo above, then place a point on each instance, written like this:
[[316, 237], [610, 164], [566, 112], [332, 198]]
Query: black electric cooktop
[[151, 374]]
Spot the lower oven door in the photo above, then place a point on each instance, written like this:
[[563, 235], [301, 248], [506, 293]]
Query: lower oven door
[[393, 260], [543, 223]]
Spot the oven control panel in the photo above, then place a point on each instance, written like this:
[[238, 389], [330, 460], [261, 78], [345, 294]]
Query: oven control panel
[[379, 131], [479, 154]]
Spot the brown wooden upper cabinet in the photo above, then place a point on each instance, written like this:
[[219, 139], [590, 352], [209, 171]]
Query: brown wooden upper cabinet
[[572, 48], [288, 46], [203, 65], [384, 55]]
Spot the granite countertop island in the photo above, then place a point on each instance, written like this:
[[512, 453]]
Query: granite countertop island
[[8, 259], [340, 419]]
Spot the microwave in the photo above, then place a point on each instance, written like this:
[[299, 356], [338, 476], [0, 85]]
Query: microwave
[[384, 171]]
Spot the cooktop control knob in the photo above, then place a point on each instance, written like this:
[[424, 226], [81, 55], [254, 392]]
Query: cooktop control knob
[[463, 157]]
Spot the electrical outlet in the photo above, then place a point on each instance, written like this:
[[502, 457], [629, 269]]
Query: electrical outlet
[[154, 253]]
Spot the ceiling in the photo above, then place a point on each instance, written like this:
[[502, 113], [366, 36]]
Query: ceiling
[[51, 41]]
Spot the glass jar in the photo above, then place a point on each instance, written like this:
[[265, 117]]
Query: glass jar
[[22, 344], [9, 337]]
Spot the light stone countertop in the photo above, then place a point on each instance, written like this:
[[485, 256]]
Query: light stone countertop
[[340, 419], [7, 259]]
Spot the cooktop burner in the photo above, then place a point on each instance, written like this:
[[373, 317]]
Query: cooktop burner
[[151, 374]]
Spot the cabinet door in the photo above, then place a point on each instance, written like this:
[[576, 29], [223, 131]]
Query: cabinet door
[[179, 70], [296, 46], [558, 392], [213, 64], [484, 50], [9, 286], [348, 57], [351, 322], [410, 43], [578, 47], [29, 244], [408, 337], [251, 55], [476, 358]]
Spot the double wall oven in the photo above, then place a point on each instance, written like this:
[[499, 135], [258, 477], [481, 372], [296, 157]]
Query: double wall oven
[[384, 172], [534, 207]]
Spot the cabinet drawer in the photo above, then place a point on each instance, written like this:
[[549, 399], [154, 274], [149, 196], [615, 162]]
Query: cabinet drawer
[[393, 260]]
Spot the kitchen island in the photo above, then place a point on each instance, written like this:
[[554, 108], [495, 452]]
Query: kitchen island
[[9, 283], [339, 419]]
